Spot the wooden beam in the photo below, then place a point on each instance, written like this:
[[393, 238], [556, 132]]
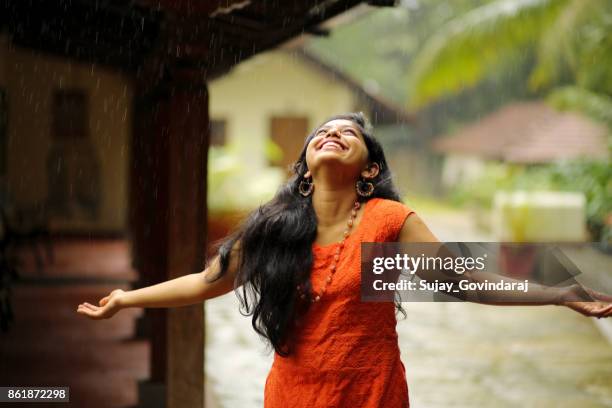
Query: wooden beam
[[194, 7], [310, 20], [108, 35]]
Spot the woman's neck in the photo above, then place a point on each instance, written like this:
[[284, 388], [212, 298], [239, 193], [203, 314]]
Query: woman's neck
[[333, 204]]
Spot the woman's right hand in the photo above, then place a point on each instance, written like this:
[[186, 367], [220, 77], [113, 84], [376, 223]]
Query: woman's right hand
[[587, 301], [109, 305]]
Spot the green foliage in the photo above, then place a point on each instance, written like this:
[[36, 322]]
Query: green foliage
[[470, 47], [570, 39], [429, 204], [592, 178], [372, 50], [597, 106], [592, 49], [377, 48], [555, 50], [480, 192], [273, 151], [233, 186]]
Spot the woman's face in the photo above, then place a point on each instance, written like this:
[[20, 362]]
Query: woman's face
[[337, 142]]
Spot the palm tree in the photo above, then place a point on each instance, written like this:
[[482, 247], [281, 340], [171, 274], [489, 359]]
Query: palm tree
[[571, 41]]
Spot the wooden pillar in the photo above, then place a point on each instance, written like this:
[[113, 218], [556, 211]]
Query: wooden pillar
[[188, 152], [168, 219]]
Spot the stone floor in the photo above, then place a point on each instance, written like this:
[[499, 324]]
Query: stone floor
[[456, 355], [80, 259]]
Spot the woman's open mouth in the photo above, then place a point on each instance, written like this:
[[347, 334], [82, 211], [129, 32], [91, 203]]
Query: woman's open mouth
[[332, 145]]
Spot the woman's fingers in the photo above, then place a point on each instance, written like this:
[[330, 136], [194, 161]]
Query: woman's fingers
[[599, 309], [90, 306], [108, 306], [88, 312], [593, 309], [106, 309], [607, 311]]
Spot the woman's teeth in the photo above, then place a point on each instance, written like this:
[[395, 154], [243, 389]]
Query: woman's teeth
[[332, 145]]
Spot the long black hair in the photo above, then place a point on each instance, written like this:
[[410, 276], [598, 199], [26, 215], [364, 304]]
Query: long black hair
[[275, 246]]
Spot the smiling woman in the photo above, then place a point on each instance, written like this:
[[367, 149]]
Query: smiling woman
[[295, 263], [331, 349]]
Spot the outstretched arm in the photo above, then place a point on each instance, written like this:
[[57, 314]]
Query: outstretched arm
[[414, 230], [182, 291]]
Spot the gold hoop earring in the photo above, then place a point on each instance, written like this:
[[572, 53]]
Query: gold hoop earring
[[364, 188], [306, 187]]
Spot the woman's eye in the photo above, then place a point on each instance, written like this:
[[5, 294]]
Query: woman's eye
[[349, 131]]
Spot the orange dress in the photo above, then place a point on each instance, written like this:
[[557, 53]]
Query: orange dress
[[345, 352]]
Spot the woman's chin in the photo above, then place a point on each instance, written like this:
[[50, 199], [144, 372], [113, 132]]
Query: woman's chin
[[330, 157]]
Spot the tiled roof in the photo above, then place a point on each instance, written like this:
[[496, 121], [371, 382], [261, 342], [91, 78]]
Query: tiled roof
[[528, 132]]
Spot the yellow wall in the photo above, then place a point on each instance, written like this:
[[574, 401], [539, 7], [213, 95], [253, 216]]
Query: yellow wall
[[275, 83], [271, 84], [30, 79]]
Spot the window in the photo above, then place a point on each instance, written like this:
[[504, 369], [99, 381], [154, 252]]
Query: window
[[218, 132], [70, 114], [74, 171], [288, 132]]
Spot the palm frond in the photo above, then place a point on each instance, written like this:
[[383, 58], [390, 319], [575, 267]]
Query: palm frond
[[555, 50], [597, 106], [593, 50], [469, 47]]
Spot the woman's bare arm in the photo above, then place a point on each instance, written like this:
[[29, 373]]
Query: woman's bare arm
[[415, 230], [182, 291]]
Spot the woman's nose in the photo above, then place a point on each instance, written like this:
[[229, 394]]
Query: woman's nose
[[333, 131]]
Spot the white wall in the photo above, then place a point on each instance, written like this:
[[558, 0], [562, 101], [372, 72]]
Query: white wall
[[459, 168], [269, 84]]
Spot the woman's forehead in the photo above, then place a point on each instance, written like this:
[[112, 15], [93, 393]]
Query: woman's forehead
[[339, 123]]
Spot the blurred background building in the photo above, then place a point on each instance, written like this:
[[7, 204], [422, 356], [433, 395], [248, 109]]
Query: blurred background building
[[262, 111]]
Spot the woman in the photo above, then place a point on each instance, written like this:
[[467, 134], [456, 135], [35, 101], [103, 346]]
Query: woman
[[295, 263]]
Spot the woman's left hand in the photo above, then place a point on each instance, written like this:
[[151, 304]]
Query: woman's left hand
[[600, 306]]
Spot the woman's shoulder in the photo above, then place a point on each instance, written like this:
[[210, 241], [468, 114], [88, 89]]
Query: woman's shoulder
[[385, 206], [388, 216]]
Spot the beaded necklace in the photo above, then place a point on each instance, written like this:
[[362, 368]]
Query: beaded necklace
[[315, 297]]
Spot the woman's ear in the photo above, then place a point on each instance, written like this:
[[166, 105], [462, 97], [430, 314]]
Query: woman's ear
[[307, 174], [371, 171]]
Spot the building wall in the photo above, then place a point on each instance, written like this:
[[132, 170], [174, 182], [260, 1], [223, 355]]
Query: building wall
[[276, 83], [270, 84], [30, 79], [459, 168]]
